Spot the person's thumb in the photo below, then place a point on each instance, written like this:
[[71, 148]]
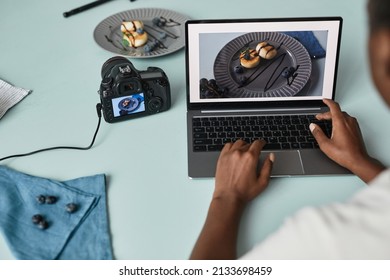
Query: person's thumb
[[319, 135]]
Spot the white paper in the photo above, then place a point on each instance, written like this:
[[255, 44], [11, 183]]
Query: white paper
[[10, 96]]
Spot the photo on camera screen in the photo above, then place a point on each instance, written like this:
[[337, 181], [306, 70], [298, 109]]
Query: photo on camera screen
[[128, 105]]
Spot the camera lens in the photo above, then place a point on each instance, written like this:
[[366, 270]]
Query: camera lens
[[107, 66]]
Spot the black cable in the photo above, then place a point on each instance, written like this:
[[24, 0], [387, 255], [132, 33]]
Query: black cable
[[98, 109]]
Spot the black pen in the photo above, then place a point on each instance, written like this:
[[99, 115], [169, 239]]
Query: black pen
[[85, 7]]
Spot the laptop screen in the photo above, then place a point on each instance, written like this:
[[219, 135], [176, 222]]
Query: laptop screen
[[261, 60]]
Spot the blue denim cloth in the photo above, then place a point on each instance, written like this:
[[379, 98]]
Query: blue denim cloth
[[82, 234], [310, 42]]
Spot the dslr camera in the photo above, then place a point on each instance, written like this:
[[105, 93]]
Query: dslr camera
[[126, 93]]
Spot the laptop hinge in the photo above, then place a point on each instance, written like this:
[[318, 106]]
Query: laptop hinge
[[291, 110]]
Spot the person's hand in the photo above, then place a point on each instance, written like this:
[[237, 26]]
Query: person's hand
[[346, 145], [237, 181], [237, 175]]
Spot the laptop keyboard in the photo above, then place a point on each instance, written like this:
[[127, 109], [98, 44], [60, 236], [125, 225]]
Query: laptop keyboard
[[281, 132]]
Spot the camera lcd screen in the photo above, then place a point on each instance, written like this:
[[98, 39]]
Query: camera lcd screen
[[128, 105]]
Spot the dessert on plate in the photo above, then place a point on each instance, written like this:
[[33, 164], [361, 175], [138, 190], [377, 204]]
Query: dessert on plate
[[134, 34]]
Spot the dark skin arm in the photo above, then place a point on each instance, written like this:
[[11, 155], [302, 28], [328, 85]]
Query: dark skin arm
[[346, 146], [236, 183]]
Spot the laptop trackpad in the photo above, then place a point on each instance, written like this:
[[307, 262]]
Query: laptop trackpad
[[286, 163]]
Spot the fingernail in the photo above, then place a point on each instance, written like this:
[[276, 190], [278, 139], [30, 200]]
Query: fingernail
[[312, 126], [272, 157]]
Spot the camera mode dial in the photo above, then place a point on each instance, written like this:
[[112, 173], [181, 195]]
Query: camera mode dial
[[124, 70]]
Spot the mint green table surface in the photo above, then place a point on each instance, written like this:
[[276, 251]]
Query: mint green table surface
[[155, 211]]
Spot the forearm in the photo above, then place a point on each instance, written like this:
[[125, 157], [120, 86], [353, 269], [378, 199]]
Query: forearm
[[236, 183], [218, 238], [367, 169]]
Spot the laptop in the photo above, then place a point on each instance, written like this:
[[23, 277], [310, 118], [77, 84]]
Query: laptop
[[260, 78]]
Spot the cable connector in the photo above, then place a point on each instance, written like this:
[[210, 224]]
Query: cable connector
[[99, 109]]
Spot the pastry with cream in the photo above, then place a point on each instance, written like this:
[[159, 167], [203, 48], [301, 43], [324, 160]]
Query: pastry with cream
[[266, 50], [134, 34], [249, 58]]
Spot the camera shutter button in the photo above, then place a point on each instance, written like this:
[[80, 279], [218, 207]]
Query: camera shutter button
[[155, 104]]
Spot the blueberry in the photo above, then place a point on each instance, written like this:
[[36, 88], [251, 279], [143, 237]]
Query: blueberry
[[51, 199], [212, 83], [286, 73], [43, 224], [238, 69], [71, 207], [150, 46], [162, 35], [156, 21], [203, 82], [37, 218], [41, 199], [147, 48]]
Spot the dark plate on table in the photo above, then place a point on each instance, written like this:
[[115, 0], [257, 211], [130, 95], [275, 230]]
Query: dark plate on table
[[269, 78]]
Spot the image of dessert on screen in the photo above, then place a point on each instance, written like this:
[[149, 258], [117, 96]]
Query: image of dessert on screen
[[262, 64]]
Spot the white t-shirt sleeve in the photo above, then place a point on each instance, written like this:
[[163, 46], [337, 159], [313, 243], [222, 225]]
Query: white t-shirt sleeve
[[357, 229]]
